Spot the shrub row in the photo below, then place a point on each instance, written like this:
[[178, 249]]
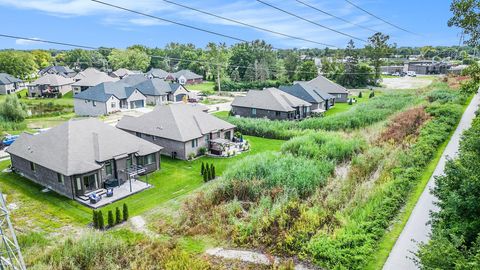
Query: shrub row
[[241, 86]]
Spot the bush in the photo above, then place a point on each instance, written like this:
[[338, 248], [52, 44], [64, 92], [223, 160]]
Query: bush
[[191, 156], [101, 221], [228, 85], [12, 110], [372, 95], [360, 95], [202, 151], [95, 219], [111, 221], [125, 212], [118, 216], [202, 169]]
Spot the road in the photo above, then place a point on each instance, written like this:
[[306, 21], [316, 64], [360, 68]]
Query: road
[[417, 230]]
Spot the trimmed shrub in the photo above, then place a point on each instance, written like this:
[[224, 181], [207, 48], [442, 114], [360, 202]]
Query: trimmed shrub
[[111, 221], [118, 216], [95, 219], [360, 95], [125, 212], [101, 221]]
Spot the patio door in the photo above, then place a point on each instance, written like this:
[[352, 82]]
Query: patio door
[[90, 182]]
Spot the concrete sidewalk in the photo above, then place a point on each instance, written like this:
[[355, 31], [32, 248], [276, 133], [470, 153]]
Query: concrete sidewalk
[[417, 230]]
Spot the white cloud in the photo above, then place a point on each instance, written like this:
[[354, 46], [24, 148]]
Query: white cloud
[[26, 42]]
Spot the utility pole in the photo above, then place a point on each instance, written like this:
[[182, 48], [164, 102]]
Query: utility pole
[[10, 254], [218, 80]]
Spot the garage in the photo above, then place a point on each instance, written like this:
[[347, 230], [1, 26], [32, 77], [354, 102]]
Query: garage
[[137, 104], [180, 97]]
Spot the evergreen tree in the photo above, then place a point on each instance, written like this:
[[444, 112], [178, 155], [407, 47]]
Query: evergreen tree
[[202, 170], [101, 222], [350, 101], [110, 219], [210, 172], [205, 177], [118, 216], [125, 212], [213, 172], [360, 94], [372, 94], [207, 173], [95, 219]]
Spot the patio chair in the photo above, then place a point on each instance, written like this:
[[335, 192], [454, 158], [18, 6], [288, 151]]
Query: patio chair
[[94, 198], [109, 192]]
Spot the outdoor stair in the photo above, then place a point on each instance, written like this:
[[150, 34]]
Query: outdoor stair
[[100, 192]]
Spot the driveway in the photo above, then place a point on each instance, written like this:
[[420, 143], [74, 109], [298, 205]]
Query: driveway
[[417, 230]]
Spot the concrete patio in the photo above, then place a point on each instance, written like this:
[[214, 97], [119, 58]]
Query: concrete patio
[[119, 193]]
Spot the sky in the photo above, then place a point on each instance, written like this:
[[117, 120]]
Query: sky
[[88, 23]]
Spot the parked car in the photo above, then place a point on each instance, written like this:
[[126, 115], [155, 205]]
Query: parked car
[[192, 100], [411, 73], [9, 139]]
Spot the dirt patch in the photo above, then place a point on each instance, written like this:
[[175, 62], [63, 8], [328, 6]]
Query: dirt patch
[[407, 82]]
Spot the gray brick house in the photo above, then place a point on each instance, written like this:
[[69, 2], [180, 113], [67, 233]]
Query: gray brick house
[[321, 101], [78, 156], [339, 92], [9, 84], [181, 129], [271, 103], [50, 85]]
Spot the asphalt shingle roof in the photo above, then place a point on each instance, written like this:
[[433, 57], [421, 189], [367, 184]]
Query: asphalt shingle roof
[[76, 146], [52, 80], [158, 73], [269, 99], [8, 79], [91, 77], [328, 86], [179, 122], [57, 70], [156, 87], [189, 75], [306, 92]]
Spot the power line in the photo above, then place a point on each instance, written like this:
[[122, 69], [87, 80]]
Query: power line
[[310, 21], [170, 21], [375, 16], [336, 17], [47, 41], [248, 25]]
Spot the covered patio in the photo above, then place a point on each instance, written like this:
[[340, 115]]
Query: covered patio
[[226, 148]]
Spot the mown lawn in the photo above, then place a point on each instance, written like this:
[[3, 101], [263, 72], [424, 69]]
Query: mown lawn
[[343, 107], [176, 178], [206, 87]]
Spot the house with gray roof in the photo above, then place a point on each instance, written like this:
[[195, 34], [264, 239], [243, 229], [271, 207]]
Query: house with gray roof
[[50, 85], [58, 70], [9, 84], [160, 92], [186, 76], [157, 73], [321, 101], [123, 72], [88, 78], [181, 129], [271, 103], [339, 92], [80, 157], [108, 97]]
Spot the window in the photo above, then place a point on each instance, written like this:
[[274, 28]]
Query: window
[[79, 184], [207, 138], [113, 105], [277, 113], [32, 166], [154, 137], [150, 159], [94, 103], [60, 178], [254, 111], [138, 134], [194, 143], [129, 162], [108, 168]]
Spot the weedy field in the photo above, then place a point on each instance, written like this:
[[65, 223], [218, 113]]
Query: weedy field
[[327, 194]]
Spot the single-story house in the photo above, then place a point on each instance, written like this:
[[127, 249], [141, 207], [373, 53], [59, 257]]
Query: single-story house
[[77, 157], [424, 67], [50, 85], [9, 84], [321, 101], [123, 72], [159, 91], [182, 129], [271, 103], [186, 76], [88, 78], [58, 70], [106, 98], [339, 92], [157, 73]]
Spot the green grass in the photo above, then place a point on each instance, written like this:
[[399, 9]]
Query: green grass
[[222, 114], [388, 241], [48, 122], [176, 178], [343, 107], [206, 87]]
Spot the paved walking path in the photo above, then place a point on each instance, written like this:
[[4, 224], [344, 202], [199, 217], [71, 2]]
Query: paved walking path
[[417, 230]]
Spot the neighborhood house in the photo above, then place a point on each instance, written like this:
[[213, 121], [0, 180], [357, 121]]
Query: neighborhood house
[[81, 157], [9, 84], [339, 92], [183, 76], [321, 101], [159, 91], [183, 130], [50, 85], [88, 78], [271, 103], [58, 70]]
